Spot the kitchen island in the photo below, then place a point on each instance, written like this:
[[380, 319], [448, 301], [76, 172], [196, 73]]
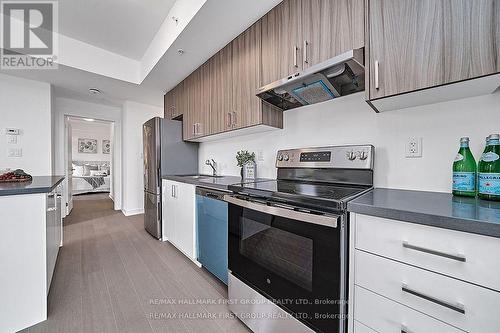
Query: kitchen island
[[30, 237]]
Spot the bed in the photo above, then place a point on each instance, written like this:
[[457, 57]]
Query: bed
[[90, 177]]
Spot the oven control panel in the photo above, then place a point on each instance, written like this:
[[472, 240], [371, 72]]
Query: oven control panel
[[341, 157]]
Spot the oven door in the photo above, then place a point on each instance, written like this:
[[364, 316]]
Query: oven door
[[293, 258]]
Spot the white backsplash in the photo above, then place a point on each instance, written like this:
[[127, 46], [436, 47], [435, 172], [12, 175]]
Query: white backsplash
[[350, 120]]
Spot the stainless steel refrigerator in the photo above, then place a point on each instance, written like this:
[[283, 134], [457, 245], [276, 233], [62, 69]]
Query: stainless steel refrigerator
[[164, 154]]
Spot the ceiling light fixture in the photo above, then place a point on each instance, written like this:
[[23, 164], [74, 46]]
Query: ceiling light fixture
[[88, 119], [180, 51], [94, 91]]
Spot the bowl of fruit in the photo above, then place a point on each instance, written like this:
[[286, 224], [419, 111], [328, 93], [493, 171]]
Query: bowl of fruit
[[18, 175]]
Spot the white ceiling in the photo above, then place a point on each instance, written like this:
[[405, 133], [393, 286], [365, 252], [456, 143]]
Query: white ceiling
[[125, 27], [212, 26]]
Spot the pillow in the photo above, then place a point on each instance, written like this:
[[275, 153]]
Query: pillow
[[87, 168], [78, 170], [97, 173]]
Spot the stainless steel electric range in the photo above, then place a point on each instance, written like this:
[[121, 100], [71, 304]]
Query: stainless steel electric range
[[288, 240]]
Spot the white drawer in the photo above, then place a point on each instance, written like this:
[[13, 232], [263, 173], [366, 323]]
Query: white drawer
[[461, 304], [429, 247], [360, 328], [392, 317]]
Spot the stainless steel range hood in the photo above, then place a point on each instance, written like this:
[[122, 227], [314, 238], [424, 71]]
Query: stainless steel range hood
[[338, 76]]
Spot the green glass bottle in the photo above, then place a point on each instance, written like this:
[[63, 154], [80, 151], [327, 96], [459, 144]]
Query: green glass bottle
[[489, 170], [464, 171], [479, 164]]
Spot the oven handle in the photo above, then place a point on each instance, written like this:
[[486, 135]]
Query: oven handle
[[329, 220]]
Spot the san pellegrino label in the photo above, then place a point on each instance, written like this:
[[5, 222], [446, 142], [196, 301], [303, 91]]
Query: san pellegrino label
[[489, 170], [464, 181], [489, 183], [490, 157]]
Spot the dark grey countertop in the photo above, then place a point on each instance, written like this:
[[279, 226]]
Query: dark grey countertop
[[435, 209], [39, 184], [218, 183]]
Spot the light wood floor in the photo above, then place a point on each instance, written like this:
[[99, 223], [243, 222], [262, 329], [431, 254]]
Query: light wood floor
[[111, 276]]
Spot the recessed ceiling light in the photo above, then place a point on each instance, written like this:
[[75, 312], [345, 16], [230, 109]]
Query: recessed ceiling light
[[94, 91], [88, 119]]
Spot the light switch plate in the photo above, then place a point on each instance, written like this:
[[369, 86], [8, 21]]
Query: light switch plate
[[413, 147], [12, 139], [260, 156]]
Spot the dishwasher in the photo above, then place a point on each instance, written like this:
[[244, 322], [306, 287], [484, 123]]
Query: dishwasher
[[211, 224]]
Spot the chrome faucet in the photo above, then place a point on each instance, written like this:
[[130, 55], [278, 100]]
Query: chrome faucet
[[212, 165]]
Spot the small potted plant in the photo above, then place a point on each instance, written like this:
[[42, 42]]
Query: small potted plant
[[246, 161]]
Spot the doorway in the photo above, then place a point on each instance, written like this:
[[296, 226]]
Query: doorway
[[89, 158]]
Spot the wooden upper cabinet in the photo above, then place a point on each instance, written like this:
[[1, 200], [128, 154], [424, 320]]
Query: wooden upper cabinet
[[221, 85], [282, 41], [170, 104], [196, 118], [174, 102], [420, 44], [246, 69], [330, 28]]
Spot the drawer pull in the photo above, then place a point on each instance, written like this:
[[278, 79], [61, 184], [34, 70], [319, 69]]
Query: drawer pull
[[455, 307], [457, 257]]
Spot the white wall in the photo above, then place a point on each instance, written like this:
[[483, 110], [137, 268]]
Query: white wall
[[350, 120], [69, 107], [134, 115], [90, 130], [26, 105]]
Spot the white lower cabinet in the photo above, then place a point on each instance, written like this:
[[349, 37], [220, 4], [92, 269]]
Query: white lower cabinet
[[379, 314], [179, 216], [411, 278], [361, 328]]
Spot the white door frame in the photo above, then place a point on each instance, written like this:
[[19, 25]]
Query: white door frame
[[114, 115]]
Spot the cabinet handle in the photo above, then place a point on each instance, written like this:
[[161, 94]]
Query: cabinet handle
[[405, 329], [457, 257], [295, 51], [306, 44], [172, 191], [194, 129], [376, 75], [234, 119], [229, 120], [458, 307]]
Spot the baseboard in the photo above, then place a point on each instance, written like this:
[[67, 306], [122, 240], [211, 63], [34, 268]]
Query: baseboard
[[130, 212]]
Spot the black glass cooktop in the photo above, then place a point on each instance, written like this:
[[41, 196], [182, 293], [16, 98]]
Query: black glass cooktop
[[311, 194]]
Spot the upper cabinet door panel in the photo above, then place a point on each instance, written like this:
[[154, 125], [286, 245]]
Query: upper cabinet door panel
[[221, 85], [170, 104], [246, 67], [472, 30], [406, 39], [425, 43], [331, 27], [282, 41], [202, 115]]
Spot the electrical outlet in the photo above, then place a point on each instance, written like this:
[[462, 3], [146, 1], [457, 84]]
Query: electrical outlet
[[414, 147], [15, 152]]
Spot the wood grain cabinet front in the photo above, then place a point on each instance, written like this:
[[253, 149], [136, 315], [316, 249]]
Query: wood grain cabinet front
[[419, 44]]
